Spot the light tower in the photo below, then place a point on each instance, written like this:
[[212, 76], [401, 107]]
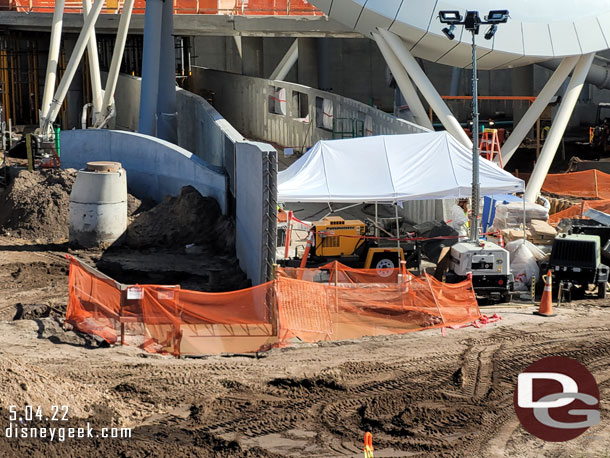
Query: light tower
[[472, 22]]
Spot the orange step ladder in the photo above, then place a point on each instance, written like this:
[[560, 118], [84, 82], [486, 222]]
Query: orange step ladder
[[489, 146]]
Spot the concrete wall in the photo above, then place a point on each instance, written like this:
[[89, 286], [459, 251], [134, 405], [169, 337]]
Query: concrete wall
[[155, 168], [209, 142], [201, 129], [245, 103], [204, 131], [127, 101], [256, 209]]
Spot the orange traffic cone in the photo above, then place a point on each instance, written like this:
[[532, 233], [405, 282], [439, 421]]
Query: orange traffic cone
[[368, 445], [546, 303]]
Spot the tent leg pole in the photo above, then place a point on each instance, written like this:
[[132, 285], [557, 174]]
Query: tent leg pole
[[404, 83], [425, 86], [558, 128], [535, 111], [376, 219], [397, 233]]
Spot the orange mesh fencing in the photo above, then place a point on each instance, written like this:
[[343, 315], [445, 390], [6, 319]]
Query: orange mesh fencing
[[94, 303], [312, 311], [214, 7], [325, 304], [168, 318], [578, 211], [343, 274], [589, 184]]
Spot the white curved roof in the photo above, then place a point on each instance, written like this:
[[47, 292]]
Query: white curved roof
[[536, 30]]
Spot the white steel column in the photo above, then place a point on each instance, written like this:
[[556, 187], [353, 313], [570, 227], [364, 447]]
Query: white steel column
[[533, 113], [404, 83], [75, 58], [425, 86], [559, 126], [117, 57], [54, 44], [94, 66], [287, 62]]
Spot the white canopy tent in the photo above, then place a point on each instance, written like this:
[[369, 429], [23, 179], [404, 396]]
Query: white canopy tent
[[390, 168]]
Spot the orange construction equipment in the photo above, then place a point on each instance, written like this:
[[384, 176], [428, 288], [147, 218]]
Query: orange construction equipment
[[489, 146], [546, 303], [368, 445]]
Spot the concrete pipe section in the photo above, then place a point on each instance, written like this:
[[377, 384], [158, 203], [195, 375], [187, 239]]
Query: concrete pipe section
[[98, 205], [536, 31]]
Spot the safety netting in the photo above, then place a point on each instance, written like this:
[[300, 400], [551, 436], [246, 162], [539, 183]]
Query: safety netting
[[335, 302], [588, 184], [330, 303]]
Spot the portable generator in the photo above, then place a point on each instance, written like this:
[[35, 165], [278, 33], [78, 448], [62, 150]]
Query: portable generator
[[489, 265], [576, 259]]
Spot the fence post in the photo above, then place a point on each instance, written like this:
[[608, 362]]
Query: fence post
[[121, 317], [336, 286], [273, 304]]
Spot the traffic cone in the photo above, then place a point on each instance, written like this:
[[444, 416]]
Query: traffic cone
[[546, 303], [500, 239], [368, 445]]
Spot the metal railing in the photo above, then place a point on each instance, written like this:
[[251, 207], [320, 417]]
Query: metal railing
[[209, 7]]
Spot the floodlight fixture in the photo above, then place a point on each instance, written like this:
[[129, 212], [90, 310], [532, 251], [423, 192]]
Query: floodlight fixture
[[497, 17], [448, 31], [491, 32], [450, 17]]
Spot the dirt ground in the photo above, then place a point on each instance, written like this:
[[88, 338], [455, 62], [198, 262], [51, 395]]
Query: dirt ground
[[420, 394]]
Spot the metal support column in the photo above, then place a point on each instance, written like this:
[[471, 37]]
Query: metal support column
[[54, 45], [559, 126], [287, 62], [535, 111], [73, 63], [404, 83], [115, 65], [425, 86], [166, 101], [94, 67], [149, 91]]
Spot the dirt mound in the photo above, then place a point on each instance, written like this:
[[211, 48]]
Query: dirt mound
[[186, 219], [36, 205], [24, 385]]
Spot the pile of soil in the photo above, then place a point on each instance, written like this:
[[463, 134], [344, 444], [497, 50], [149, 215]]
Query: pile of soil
[[186, 219], [24, 385], [35, 206]]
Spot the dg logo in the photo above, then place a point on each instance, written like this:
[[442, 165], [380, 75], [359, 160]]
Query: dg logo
[[557, 399]]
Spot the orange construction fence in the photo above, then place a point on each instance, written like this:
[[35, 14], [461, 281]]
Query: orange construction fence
[[213, 7], [589, 184], [578, 210], [333, 303]]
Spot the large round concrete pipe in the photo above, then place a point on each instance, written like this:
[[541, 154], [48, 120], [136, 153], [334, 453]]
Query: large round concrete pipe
[[599, 75], [98, 205]]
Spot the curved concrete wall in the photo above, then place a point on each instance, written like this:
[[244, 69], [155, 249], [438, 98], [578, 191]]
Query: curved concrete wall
[[155, 168], [245, 102]]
